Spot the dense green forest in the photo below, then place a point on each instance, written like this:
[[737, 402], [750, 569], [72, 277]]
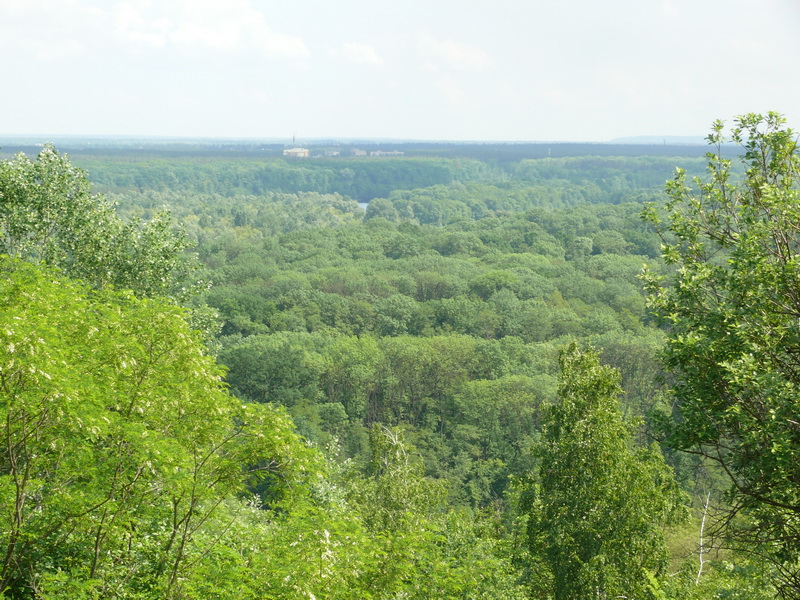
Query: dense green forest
[[510, 375]]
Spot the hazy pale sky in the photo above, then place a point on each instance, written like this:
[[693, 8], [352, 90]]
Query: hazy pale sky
[[582, 70]]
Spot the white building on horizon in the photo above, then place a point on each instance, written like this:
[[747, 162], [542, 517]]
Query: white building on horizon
[[297, 152]]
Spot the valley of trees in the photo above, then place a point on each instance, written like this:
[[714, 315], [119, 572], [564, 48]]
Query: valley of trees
[[512, 376]]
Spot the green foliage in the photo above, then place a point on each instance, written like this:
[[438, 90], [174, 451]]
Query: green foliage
[[383, 533], [240, 217], [362, 179], [492, 278], [345, 316], [599, 505], [731, 304], [422, 551], [48, 215], [416, 343], [122, 452]]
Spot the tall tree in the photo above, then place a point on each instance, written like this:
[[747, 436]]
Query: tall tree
[[598, 508], [732, 305], [48, 214]]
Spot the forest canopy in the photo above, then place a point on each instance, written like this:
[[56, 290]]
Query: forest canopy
[[402, 400]]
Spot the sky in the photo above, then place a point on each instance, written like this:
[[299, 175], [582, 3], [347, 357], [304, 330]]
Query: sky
[[479, 70]]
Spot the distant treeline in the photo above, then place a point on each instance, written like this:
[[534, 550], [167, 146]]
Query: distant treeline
[[600, 178]]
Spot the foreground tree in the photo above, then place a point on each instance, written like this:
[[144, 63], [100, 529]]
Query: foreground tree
[[123, 460], [48, 214], [732, 306], [597, 511]]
